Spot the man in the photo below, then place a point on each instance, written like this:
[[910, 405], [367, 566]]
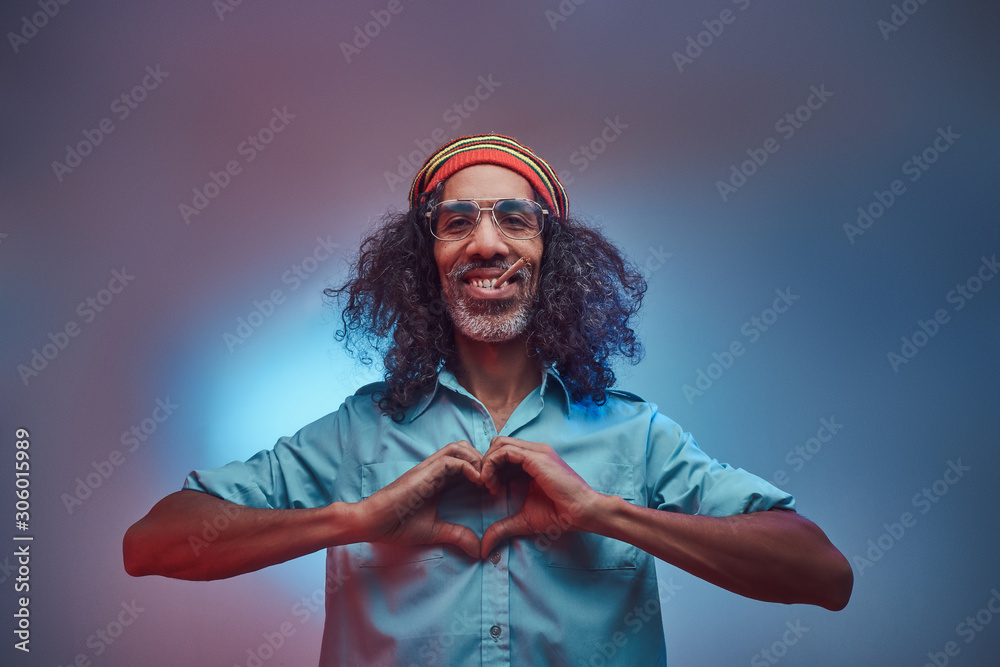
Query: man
[[493, 501]]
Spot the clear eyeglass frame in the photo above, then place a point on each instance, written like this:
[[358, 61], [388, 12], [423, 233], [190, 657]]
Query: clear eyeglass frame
[[543, 217]]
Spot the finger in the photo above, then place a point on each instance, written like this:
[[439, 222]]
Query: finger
[[459, 536], [501, 441], [495, 459], [441, 471], [497, 442], [491, 470], [463, 450], [473, 474], [502, 530], [418, 486], [505, 440], [466, 452]]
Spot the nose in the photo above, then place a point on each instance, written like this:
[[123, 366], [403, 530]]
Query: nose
[[487, 241]]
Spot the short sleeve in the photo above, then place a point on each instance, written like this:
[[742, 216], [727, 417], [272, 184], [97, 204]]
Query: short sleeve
[[682, 478], [299, 472]]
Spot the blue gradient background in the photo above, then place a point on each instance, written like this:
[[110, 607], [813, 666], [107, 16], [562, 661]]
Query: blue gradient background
[[653, 188]]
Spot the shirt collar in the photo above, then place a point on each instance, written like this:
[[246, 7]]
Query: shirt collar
[[448, 380], [552, 372]]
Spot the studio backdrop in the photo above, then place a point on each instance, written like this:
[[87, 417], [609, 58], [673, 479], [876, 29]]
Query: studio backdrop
[[809, 189]]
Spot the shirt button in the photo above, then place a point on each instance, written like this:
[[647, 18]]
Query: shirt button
[[495, 632], [495, 557]]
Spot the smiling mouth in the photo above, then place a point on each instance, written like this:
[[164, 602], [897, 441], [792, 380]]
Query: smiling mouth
[[507, 276], [486, 284]]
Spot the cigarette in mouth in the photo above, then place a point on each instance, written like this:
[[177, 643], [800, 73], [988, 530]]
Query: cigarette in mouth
[[514, 268]]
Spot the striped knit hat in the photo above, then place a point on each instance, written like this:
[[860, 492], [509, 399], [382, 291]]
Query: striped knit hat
[[491, 149]]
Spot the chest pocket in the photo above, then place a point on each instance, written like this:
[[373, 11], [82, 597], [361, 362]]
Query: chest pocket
[[588, 551], [376, 476]]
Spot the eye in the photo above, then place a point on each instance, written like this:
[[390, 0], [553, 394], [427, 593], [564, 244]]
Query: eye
[[455, 219], [455, 222], [518, 218], [516, 221]]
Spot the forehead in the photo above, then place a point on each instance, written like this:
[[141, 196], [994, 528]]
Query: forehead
[[486, 181]]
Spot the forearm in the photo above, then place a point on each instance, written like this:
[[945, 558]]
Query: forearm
[[196, 536], [776, 556]]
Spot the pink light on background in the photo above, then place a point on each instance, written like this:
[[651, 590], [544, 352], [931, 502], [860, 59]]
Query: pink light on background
[[334, 167]]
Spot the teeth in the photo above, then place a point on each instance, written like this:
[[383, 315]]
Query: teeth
[[486, 284]]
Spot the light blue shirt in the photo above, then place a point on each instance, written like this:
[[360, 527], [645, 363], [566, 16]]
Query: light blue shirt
[[558, 599]]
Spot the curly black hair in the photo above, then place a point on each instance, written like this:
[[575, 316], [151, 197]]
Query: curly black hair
[[587, 294]]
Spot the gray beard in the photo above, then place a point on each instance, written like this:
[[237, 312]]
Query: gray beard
[[487, 321]]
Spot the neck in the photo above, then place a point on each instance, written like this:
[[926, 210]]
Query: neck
[[498, 374]]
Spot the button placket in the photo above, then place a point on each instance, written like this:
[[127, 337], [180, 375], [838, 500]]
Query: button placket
[[496, 590], [496, 613]]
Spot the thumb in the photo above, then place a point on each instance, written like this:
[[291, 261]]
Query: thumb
[[503, 529], [459, 536]]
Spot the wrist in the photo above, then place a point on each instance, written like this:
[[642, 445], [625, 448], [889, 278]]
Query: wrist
[[609, 513], [345, 523]]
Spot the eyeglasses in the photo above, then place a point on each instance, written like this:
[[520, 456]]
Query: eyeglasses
[[456, 219]]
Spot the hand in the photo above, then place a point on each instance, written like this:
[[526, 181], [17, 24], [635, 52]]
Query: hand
[[406, 511], [557, 497]]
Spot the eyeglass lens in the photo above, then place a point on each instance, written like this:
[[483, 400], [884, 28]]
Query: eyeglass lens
[[518, 219]]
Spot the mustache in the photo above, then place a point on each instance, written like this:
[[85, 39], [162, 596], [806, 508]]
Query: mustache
[[459, 271]]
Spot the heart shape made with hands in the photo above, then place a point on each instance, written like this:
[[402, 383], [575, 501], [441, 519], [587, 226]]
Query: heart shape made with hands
[[554, 494]]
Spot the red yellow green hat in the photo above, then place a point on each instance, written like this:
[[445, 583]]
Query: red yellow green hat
[[491, 149]]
